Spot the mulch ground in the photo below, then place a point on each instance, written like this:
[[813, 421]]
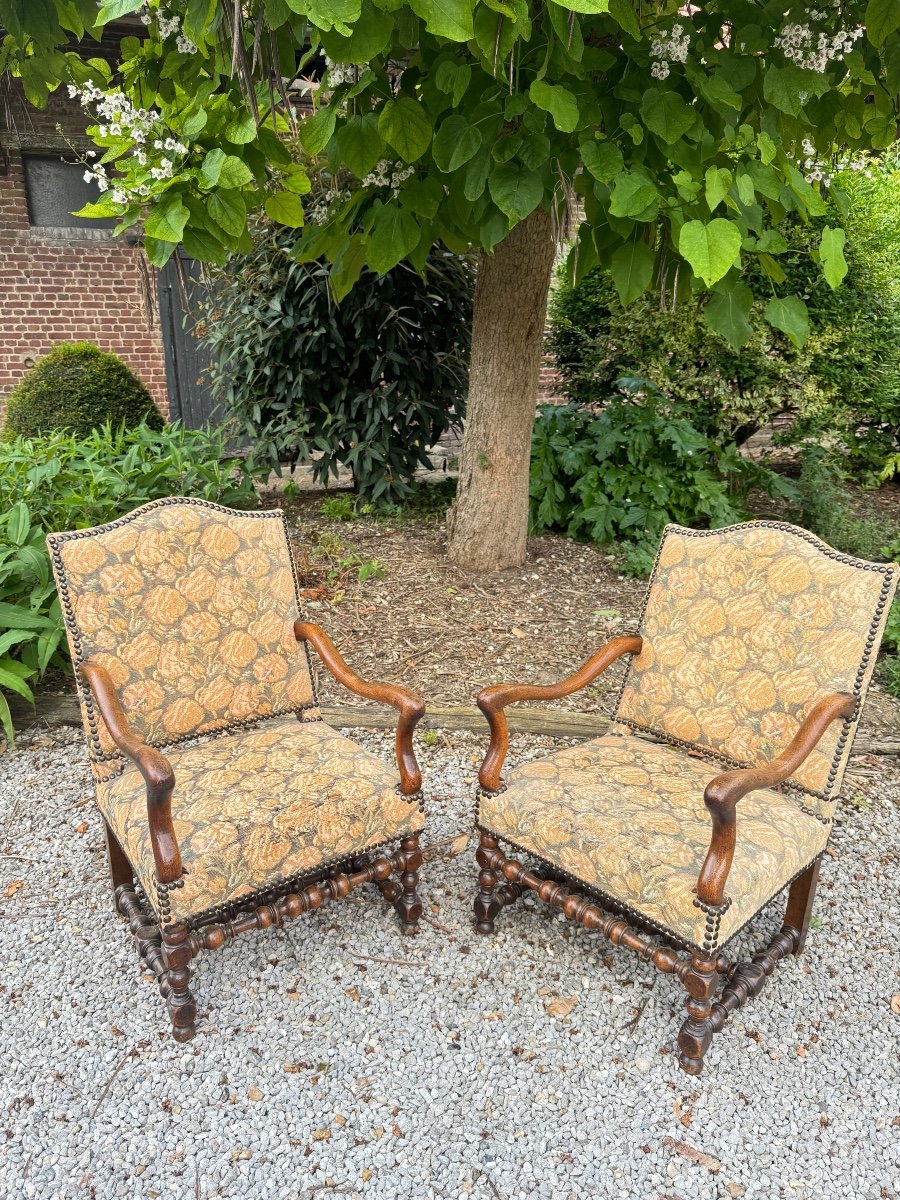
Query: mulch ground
[[447, 633]]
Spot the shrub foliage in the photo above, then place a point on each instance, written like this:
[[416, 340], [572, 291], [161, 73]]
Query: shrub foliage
[[842, 385], [368, 384], [63, 482], [74, 389], [624, 472]]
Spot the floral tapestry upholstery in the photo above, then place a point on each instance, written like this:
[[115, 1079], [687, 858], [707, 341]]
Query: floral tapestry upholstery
[[626, 817], [190, 608], [256, 806], [744, 630]]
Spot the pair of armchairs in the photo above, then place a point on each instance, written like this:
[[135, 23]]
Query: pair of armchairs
[[230, 805]]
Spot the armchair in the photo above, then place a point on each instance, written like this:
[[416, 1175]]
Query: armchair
[[228, 804], [756, 647]]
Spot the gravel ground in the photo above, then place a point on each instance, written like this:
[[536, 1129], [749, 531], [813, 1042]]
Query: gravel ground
[[321, 1071]]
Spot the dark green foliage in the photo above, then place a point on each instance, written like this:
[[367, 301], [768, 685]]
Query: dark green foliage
[[368, 384], [843, 386], [63, 482], [729, 394], [625, 472], [76, 388]]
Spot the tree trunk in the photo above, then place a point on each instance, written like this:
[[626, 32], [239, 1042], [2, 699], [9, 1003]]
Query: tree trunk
[[489, 520]]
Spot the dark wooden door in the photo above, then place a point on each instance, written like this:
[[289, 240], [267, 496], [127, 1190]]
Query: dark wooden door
[[187, 361]]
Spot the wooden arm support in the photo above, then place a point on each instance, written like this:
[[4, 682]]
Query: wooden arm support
[[493, 700], [723, 793], [410, 706], [155, 768]]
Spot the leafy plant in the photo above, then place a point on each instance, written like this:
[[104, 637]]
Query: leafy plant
[[64, 482], [624, 472], [826, 508], [75, 388], [338, 508], [842, 384], [368, 384]]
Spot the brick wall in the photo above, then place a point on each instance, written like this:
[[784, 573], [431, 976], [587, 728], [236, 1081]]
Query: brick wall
[[67, 285]]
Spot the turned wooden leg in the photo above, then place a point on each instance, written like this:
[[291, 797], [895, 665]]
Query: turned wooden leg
[[487, 902], [174, 984], [408, 904], [120, 870], [800, 905], [700, 980]]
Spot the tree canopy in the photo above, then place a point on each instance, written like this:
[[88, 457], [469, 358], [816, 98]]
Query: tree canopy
[[685, 133]]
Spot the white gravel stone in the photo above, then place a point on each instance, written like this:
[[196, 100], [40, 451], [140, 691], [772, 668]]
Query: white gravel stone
[[445, 1078]]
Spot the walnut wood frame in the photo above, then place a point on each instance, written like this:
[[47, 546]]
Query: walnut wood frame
[[502, 879], [168, 947]]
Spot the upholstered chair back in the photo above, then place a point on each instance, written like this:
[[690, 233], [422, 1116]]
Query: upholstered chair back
[[190, 608], [744, 629]]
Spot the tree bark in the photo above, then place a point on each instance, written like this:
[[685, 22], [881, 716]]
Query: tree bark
[[489, 520]]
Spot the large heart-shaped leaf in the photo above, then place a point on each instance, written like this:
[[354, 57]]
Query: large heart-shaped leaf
[[712, 249]]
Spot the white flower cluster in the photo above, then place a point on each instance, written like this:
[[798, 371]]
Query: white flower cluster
[[118, 117], [166, 26], [388, 174], [321, 210], [669, 50], [815, 171], [338, 73], [813, 49]]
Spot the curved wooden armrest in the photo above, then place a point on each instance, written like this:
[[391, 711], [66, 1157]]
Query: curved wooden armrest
[[493, 700], [410, 706], [153, 766], [723, 793]]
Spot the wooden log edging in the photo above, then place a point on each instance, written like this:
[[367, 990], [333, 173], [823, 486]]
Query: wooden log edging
[[542, 722]]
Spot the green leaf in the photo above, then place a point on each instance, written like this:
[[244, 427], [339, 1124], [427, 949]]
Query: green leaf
[[18, 523], [16, 616], [203, 245], [159, 252], [727, 312], [558, 102], [167, 219], [211, 167], [711, 249], [286, 208], [516, 190], [789, 88], [446, 18], [767, 148], [632, 195], [14, 683], [316, 131], [6, 721], [831, 253], [603, 160], [623, 12], [882, 19], [404, 124], [103, 208], [241, 129], [591, 7], [360, 144], [371, 35], [228, 210], [328, 13], [718, 184], [666, 114], [113, 9], [455, 143], [395, 233], [745, 190], [791, 317], [631, 268], [234, 172]]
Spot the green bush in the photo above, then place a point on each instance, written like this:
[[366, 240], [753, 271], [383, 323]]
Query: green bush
[[844, 385], [368, 384], [63, 482], [625, 472], [75, 388]]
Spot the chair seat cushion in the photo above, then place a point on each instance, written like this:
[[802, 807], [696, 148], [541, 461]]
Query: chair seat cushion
[[626, 817], [257, 806]]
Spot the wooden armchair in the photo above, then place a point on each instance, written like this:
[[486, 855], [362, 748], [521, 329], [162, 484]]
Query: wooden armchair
[[228, 803], [715, 789]]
